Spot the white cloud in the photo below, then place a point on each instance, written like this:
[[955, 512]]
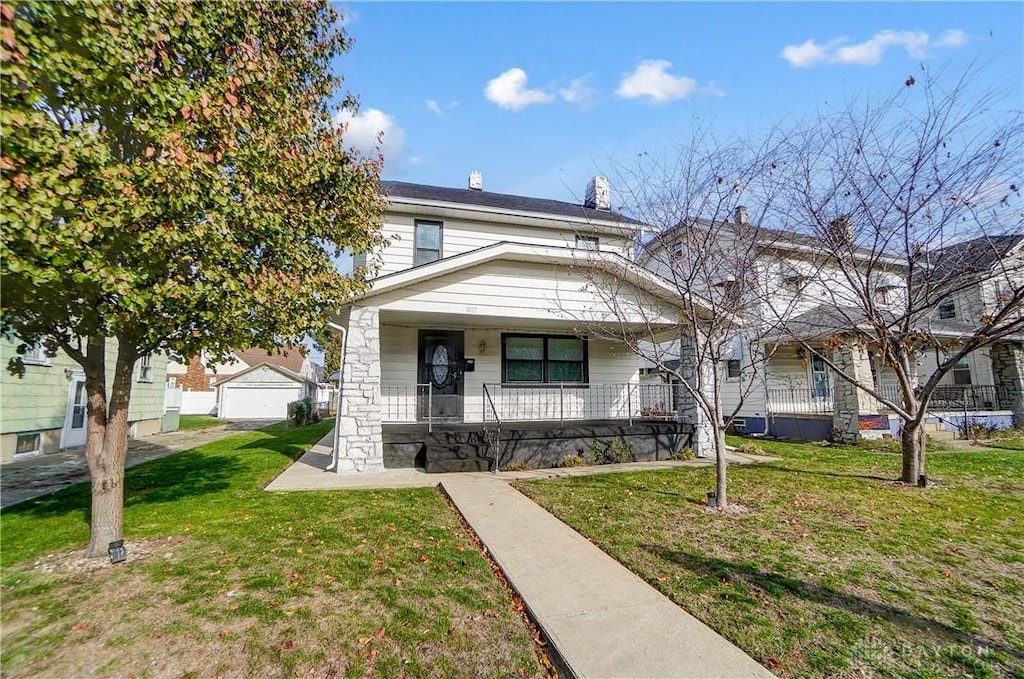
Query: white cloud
[[651, 80], [434, 107], [952, 38], [364, 129], [871, 51], [509, 91], [578, 92]]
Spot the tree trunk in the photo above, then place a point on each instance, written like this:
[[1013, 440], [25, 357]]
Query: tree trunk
[[106, 455], [912, 441], [720, 467]]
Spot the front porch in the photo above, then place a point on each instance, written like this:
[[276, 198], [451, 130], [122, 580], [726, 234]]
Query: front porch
[[985, 389]]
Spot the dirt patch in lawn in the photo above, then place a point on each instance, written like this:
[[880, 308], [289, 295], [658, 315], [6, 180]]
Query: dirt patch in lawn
[[74, 561]]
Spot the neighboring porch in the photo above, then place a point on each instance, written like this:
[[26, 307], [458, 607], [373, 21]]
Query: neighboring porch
[[985, 389]]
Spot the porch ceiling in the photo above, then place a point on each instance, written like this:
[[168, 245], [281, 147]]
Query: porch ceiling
[[427, 319]]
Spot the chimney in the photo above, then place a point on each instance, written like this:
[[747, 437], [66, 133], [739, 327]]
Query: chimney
[[599, 194], [742, 216], [476, 180]]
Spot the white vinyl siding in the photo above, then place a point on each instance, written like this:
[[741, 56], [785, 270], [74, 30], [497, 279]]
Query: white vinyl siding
[[508, 290], [459, 236]]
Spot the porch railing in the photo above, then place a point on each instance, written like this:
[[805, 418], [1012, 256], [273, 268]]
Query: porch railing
[[561, 402], [407, 403], [800, 401], [959, 398]]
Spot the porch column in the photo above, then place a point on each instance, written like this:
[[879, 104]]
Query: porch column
[[849, 402], [360, 444], [1008, 370], [699, 376]]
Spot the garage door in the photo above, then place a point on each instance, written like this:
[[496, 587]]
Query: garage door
[[257, 403]]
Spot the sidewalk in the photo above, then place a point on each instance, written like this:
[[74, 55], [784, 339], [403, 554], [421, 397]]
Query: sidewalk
[[603, 620], [35, 476]]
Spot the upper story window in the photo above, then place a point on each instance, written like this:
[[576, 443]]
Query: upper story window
[[795, 284], [732, 369], [883, 296], [146, 368], [428, 242], [947, 309], [543, 359], [35, 355], [587, 243]]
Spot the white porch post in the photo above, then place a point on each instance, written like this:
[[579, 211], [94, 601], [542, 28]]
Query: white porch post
[[849, 402], [359, 440], [698, 375]]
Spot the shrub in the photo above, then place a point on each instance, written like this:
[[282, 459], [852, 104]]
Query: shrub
[[612, 452], [682, 454], [301, 412], [572, 461], [749, 448], [515, 467]]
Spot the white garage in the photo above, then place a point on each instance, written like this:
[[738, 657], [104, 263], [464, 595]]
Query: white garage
[[260, 392]]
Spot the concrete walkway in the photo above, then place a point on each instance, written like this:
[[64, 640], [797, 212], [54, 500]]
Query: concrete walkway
[[603, 619], [44, 474]]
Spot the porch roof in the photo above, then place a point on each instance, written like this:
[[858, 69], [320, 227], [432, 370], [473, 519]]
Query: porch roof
[[606, 262], [827, 320]]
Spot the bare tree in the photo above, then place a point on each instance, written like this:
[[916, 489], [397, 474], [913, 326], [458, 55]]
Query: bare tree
[[703, 246], [915, 202]]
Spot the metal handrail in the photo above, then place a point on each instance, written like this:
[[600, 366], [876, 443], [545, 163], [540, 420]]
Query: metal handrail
[[497, 430]]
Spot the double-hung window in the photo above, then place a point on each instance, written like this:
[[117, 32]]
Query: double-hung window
[[543, 359], [428, 242], [947, 309], [146, 368], [732, 369]]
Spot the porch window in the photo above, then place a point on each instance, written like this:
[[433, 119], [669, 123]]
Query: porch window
[[543, 359], [962, 373], [947, 309], [428, 242], [587, 243]]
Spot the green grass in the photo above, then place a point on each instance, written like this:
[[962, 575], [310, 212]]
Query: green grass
[[245, 582], [199, 422], [835, 571]]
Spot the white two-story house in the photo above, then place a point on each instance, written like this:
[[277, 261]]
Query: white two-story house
[[775, 385], [474, 346]]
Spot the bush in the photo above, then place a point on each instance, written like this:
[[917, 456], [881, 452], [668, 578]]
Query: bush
[[301, 412], [749, 448], [683, 454], [573, 461], [613, 452]]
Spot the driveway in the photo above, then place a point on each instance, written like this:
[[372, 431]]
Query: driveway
[[25, 479]]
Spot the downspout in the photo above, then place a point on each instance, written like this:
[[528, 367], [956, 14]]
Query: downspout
[[335, 451]]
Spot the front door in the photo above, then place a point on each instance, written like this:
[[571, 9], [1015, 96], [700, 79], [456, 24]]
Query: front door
[[440, 374], [75, 418]]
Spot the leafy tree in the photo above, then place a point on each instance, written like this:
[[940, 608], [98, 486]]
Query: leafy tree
[[172, 179]]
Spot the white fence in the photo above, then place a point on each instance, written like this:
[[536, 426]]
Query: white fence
[[199, 403]]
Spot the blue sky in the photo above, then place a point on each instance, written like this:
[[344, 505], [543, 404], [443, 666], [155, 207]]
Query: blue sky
[[541, 96]]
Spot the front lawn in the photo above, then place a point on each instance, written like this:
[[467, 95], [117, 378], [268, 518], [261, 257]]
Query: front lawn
[[241, 582], [835, 571], [199, 422]]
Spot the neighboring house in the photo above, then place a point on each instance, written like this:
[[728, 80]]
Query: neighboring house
[[261, 392], [470, 348], [45, 410], [200, 376], [794, 394]]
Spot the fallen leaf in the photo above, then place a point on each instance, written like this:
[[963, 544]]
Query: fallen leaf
[[379, 633]]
